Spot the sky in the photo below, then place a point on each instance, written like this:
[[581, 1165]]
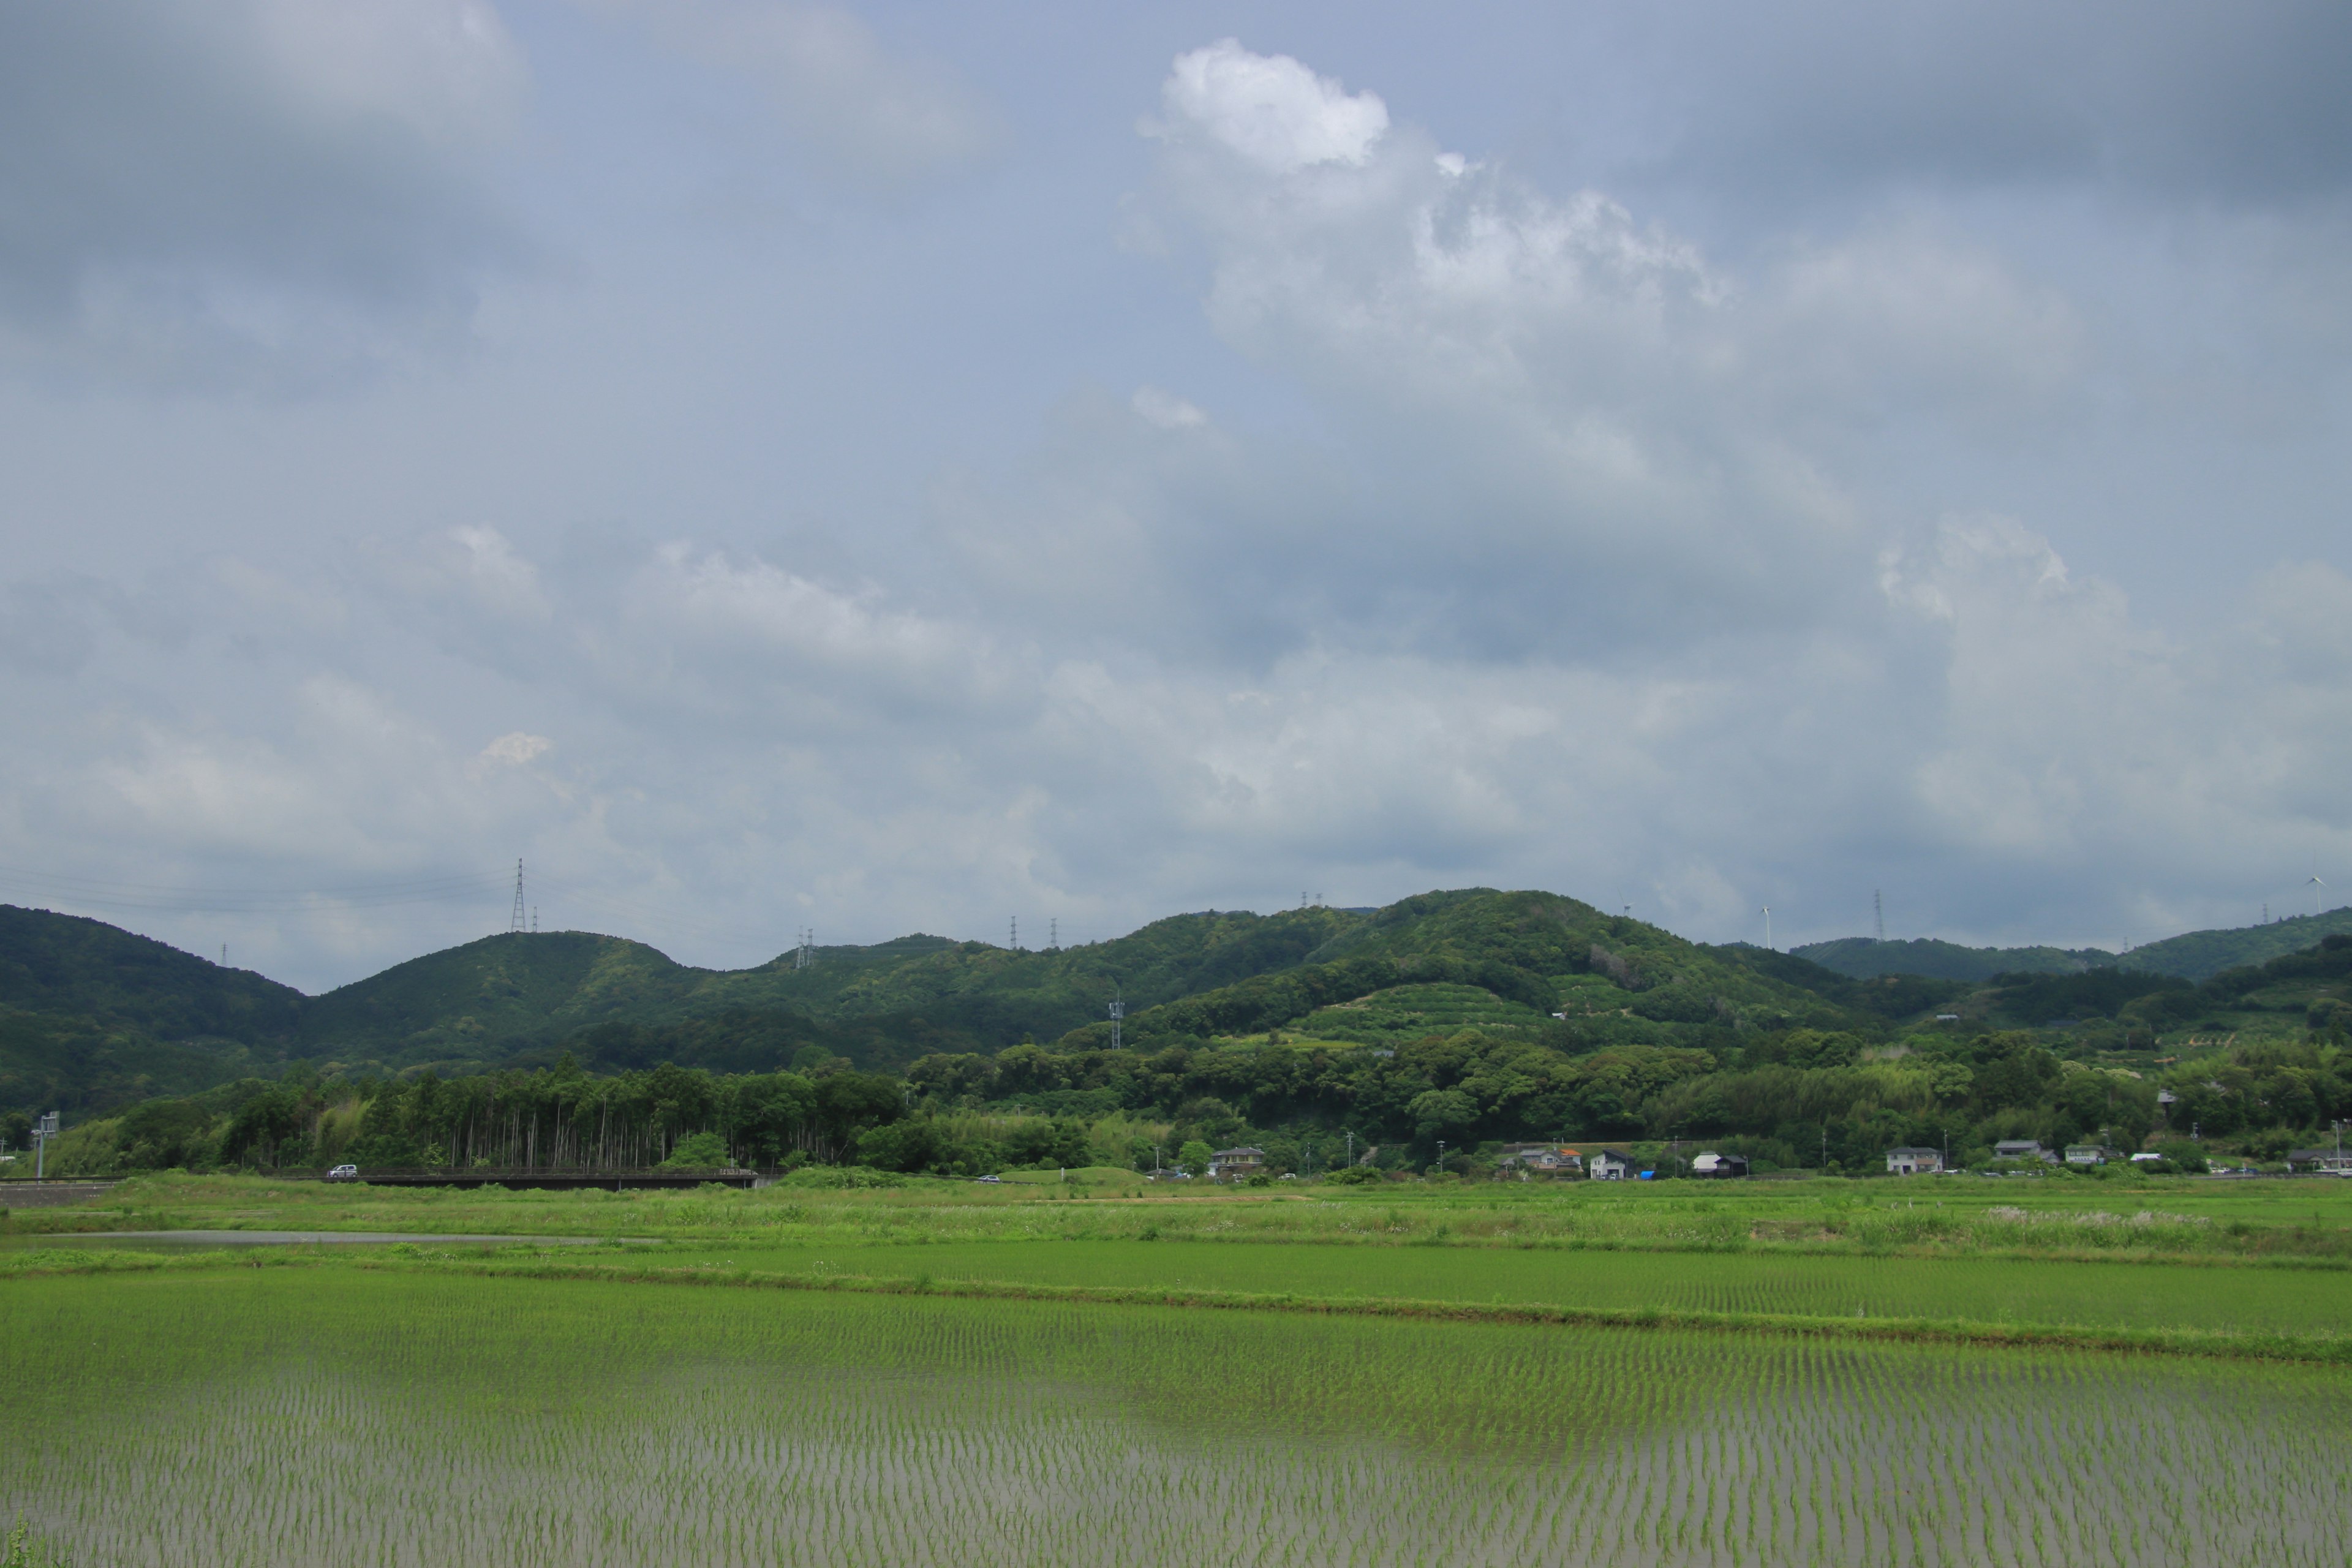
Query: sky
[[772, 467]]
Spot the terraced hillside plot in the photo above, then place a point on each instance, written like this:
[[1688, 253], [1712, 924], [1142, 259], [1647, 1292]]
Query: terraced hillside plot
[[1408, 1012], [335, 1415], [1996, 1290]]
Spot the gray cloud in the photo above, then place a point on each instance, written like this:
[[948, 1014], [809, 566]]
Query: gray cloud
[[2241, 104], [254, 190], [866, 114], [1404, 520]]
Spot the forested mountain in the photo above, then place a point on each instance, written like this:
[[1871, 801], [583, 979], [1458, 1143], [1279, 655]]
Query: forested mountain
[[2201, 954], [1454, 1018], [2194, 955], [1862, 959], [67, 964], [91, 1016]]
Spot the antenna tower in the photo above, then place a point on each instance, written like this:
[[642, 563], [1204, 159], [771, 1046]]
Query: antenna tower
[[1117, 1012], [1878, 913], [515, 924]]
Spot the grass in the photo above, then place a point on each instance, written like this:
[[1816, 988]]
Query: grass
[[347, 1415]]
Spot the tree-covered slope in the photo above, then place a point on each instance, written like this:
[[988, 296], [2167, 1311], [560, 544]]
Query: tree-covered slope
[[520, 992], [472, 1002], [2201, 954], [83, 1066], [1002, 996], [1540, 953], [1860, 958], [67, 965]]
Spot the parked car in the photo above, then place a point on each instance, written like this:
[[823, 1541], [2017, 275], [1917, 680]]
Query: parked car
[[343, 1173]]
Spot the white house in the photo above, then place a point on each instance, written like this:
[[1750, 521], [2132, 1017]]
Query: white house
[[1913, 1162], [1609, 1165]]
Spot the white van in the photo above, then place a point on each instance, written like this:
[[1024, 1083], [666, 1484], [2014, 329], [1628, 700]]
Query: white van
[[343, 1173]]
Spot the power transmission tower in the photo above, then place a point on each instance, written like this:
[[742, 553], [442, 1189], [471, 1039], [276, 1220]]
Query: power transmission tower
[[805, 948], [1878, 912], [535, 920], [1117, 1012], [1054, 935], [515, 924], [1014, 940]]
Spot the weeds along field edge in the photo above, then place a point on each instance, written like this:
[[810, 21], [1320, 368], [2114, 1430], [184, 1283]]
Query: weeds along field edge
[[412, 1414]]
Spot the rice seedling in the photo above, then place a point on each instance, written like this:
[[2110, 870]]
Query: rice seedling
[[334, 1415]]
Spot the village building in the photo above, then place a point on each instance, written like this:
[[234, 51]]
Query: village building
[[1236, 1164], [2320, 1162], [1913, 1162], [2022, 1149], [1609, 1165], [1719, 1167], [1539, 1160]]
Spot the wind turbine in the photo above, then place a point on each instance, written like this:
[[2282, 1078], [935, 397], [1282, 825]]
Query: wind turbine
[[2318, 892], [1768, 929]]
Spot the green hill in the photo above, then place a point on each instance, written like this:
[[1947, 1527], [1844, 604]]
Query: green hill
[[67, 964], [2194, 955], [2201, 954], [102, 1017], [1860, 958], [1536, 958]]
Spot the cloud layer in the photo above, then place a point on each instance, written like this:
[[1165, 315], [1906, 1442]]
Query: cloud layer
[[1449, 524]]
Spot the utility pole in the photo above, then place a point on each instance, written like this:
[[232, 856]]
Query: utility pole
[[1352, 1148], [44, 1129]]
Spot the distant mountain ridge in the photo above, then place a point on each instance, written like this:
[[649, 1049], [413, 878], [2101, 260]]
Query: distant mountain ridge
[[2196, 955], [1860, 958], [92, 1017]]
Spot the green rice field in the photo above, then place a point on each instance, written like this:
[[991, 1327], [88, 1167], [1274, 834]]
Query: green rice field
[[940, 1373], [331, 1414], [2308, 1301]]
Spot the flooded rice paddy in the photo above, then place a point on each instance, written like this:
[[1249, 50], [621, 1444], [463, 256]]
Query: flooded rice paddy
[[336, 1415]]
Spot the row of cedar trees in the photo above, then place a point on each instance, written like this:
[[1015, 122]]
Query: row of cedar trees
[[559, 1120]]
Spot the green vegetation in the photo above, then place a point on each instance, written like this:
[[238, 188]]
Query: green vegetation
[[2201, 954], [931, 1370], [1860, 958], [1450, 1024], [2194, 956]]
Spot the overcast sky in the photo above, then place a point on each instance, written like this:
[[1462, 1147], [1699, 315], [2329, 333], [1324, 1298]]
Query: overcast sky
[[902, 466]]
